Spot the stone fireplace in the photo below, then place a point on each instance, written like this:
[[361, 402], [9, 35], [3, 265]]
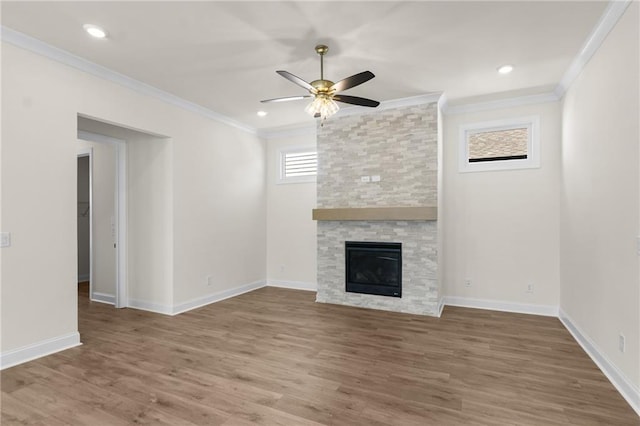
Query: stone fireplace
[[378, 183]]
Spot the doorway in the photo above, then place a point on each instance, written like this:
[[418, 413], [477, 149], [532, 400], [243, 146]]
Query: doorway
[[84, 222], [105, 214]]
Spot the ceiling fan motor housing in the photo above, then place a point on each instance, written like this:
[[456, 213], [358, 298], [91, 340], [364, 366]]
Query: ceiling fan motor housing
[[322, 86]]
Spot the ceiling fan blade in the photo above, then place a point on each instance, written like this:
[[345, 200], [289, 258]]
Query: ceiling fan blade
[[352, 81], [288, 98], [355, 100], [297, 80]]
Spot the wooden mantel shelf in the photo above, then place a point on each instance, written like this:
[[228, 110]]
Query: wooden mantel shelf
[[377, 213]]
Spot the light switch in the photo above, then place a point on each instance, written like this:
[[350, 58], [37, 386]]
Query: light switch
[[375, 178], [365, 179], [5, 239]]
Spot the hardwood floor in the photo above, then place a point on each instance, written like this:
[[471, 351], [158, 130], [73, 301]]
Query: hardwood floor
[[274, 357]]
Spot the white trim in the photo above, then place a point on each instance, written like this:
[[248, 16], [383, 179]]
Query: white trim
[[96, 137], [216, 297], [441, 305], [428, 98], [109, 299], [294, 285], [518, 101], [502, 306], [625, 387], [532, 123], [612, 14], [157, 308], [122, 286], [39, 349], [36, 46], [391, 104], [121, 298], [443, 103]]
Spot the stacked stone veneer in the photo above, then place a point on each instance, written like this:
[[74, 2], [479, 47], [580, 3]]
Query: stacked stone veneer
[[399, 145]]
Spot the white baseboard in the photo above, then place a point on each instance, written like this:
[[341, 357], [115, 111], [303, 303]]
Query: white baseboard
[[440, 306], [143, 305], [216, 297], [499, 305], [83, 277], [104, 298], [39, 349], [627, 389], [295, 285]]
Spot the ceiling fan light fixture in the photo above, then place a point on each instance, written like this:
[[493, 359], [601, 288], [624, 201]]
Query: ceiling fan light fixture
[[322, 106]]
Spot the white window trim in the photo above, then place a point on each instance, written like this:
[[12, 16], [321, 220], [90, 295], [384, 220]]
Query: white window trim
[[280, 179], [532, 123]]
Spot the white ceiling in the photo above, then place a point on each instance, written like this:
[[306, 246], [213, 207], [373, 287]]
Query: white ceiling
[[223, 55]]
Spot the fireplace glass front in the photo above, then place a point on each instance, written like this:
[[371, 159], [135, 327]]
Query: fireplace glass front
[[374, 268]]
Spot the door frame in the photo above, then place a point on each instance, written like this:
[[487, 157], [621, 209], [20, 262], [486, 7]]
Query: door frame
[[122, 295], [88, 152]]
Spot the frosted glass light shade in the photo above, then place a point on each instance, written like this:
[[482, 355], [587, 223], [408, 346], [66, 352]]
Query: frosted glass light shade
[[322, 105]]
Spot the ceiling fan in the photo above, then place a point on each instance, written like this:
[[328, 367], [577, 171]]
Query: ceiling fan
[[325, 93]]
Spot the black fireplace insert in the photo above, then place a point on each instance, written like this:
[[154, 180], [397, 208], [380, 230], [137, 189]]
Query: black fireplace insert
[[374, 268]]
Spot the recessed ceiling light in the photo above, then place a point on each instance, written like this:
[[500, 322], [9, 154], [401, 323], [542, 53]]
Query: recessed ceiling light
[[505, 69], [95, 30], [262, 113]]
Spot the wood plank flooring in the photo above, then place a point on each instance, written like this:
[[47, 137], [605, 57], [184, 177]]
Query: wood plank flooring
[[275, 357]]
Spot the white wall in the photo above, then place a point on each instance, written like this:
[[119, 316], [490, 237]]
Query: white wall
[[150, 219], [291, 234], [600, 199], [502, 227], [219, 213], [104, 254], [39, 300]]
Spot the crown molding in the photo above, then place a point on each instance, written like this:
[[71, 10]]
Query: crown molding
[[501, 103], [606, 23], [608, 20], [34, 45], [391, 104], [443, 103], [409, 101]]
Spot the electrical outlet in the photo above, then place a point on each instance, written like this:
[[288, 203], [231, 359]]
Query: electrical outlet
[[5, 239], [530, 288], [621, 342], [375, 178], [209, 280], [467, 283], [365, 179]]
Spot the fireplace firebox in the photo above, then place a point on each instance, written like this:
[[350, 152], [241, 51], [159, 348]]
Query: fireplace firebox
[[374, 268]]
